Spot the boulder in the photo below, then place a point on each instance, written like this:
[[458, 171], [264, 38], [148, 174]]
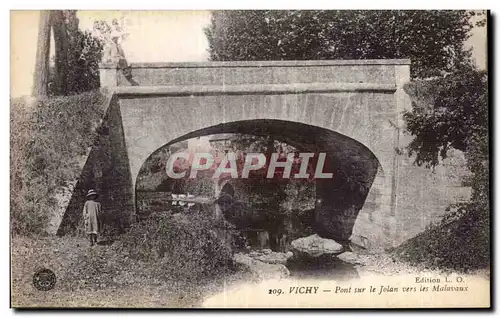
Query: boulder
[[315, 246], [267, 251], [263, 270], [351, 258], [273, 257], [254, 254], [359, 241]]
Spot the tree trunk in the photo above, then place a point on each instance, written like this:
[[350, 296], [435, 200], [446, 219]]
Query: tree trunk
[[41, 77], [61, 51], [72, 37]]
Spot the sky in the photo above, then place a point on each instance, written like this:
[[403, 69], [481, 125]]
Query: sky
[[153, 36]]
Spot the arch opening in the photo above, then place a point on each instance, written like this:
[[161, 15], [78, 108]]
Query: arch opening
[[337, 200]]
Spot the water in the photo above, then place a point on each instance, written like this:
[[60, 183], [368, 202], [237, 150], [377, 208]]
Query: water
[[157, 202], [324, 268]]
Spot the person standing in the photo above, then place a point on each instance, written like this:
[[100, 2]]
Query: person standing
[[91, 215]]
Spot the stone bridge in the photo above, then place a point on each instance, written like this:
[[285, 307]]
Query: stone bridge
[[352, 110]]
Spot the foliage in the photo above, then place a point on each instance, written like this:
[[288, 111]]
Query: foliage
[[104, 31], [433, 40], [184, 248], [202, 186], [461, 242], [300, 196], [448, 113], [83, 64], [83, 55], [102, 276], [77, 57], [452, 112], [48, 139]]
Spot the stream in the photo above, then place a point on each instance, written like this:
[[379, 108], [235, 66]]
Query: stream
[[324, 267]]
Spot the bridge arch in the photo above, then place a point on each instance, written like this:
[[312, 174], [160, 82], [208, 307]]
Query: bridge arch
[[338, 200], [359, 100]]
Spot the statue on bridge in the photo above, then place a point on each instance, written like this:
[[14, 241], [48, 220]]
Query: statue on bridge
[[113, 54]]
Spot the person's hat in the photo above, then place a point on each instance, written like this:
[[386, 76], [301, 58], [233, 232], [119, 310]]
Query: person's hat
[[91, 192]]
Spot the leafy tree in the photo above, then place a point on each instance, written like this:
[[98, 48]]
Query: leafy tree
[[433, 40], [76, 59], [77, 56], [452, 112]]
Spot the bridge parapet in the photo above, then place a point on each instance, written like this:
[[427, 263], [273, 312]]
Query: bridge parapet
[[254, 72]]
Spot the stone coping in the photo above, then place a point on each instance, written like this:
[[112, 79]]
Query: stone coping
[[229, 64], [245, 89]]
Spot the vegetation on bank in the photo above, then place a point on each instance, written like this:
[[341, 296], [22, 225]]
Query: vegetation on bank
[[168, 260], [460, 242], [452, 112], [49, 139], [186, 246], [104, 276]]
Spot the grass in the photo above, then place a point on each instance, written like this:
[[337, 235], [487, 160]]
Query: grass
[[49, 139], [167, 260], [460, 243], [100, 277]]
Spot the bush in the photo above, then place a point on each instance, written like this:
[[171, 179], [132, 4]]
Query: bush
[[184, 247], [460, 242], [49, 138]]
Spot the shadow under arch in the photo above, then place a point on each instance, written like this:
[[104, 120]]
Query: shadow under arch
[[354, 166], [228, 189]]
